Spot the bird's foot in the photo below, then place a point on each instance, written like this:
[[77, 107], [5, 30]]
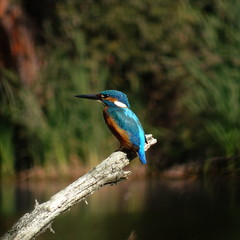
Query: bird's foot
[[131, 154]]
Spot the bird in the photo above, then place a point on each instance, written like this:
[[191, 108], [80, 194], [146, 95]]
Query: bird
[[121, 121]]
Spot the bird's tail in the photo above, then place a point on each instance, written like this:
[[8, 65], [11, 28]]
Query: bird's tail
[[142, 156]]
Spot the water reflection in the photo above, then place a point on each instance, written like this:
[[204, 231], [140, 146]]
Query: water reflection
[[153, 209]]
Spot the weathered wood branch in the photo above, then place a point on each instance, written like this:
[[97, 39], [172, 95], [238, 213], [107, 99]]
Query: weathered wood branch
[[109, 171]]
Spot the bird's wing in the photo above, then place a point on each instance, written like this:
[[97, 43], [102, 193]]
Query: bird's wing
[[128, 121]]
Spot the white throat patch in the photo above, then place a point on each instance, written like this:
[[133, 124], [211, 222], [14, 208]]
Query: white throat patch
[[120, 104]]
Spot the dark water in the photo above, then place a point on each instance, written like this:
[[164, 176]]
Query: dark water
[[152, 209]]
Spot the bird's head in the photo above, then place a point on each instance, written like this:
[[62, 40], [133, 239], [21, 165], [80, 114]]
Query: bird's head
[[110, 98]]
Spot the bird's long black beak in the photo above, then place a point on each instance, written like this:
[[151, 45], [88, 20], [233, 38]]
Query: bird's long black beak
[[92, 97]]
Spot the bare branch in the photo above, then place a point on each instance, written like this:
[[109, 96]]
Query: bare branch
[[109, 171]]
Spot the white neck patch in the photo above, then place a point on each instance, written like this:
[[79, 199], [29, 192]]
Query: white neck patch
[[120, 104]]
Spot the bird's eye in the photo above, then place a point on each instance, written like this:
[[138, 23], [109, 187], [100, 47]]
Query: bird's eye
[[104, 96]]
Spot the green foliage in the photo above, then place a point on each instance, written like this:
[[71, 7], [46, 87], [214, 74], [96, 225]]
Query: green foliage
[[6, 151], [214, 87], [177, 60], [8, 105], [73, 123], [55, 125], [215, 100]]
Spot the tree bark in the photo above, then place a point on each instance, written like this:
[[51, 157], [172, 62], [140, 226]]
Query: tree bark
[[109, 171]]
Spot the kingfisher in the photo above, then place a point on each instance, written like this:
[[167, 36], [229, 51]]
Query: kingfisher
[[121, 121]]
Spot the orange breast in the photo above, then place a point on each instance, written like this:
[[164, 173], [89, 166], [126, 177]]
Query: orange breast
[[119, 133]]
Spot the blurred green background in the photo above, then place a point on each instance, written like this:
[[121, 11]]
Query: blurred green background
[[178, 62]]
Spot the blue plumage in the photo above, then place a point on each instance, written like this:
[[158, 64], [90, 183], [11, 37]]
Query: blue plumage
[[128, 121], [120, 119]]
